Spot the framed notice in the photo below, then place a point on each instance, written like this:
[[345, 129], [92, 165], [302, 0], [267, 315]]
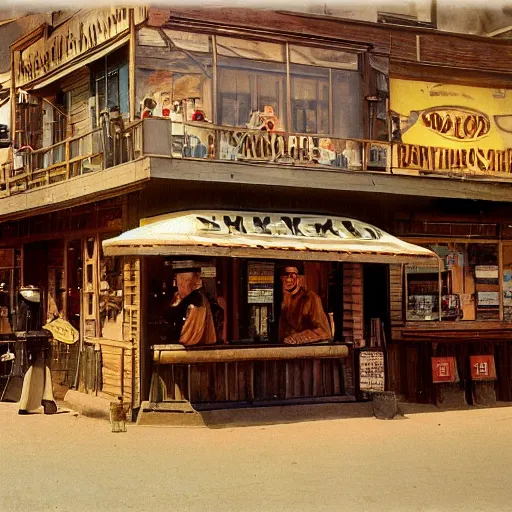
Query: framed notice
[[260, 282], [488, 299], [486, 271], [371, 370], [444, 369], [482, 367]]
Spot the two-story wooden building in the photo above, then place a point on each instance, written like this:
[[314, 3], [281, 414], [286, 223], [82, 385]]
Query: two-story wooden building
[[245, 139]]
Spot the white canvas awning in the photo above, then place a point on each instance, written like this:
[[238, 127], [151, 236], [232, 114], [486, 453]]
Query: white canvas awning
[[265, 235]]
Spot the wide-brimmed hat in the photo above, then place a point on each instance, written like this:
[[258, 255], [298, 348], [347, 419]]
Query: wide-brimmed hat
[[185, 266]]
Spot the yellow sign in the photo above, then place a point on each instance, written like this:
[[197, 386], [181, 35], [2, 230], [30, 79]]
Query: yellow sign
[[62, 331], [452, 128]]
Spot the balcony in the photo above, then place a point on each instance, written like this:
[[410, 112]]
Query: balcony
[[107, 160], [101, 149]]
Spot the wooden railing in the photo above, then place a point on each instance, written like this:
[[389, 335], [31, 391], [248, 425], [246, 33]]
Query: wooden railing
[[200, 140], [103, 148], [59, 162]]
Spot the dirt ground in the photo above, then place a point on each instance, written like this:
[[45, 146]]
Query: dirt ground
[[442, 461]]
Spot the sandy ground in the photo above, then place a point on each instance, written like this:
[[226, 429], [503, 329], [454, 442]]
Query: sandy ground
[[443, 461]]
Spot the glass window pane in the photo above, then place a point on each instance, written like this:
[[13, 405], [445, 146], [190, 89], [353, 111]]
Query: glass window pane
[[347, 104], [469, 284], [243, 94], [310, 100], [254, 50], [321, 57], [113, 89]]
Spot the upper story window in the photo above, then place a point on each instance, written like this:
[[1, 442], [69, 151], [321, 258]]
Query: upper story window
[[252, 78], [110, 83], [296, 88]]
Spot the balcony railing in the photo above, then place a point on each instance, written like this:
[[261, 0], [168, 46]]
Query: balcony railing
[[199, 140], [103, 148]]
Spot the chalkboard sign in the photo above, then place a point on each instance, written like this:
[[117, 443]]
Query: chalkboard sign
[[371, 370]]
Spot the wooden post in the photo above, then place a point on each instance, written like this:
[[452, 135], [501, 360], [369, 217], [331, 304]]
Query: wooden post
[[331, 105], [500, 277], [131, 63], [214, 82], [288, 91], [67, 156], [13, 106]]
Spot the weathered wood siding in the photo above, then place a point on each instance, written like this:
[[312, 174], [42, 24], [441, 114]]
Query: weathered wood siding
[[78, 86], [353, 322]]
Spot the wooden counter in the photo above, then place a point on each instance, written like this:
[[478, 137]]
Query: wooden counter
[[178, 354], [251, 374]]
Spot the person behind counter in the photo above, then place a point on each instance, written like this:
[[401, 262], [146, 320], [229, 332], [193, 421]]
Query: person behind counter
[[303, 319], [190, 317]]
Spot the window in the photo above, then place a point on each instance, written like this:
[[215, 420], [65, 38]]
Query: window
[[245, 88], [176, 72], [252, 78], [469, 281], [110, 85]]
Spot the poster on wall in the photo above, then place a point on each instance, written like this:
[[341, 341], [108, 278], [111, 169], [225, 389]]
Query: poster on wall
[[482, 367], [507, 288], [486, 271], [444, 369], [260, 282], [371, 370], [488, 299]]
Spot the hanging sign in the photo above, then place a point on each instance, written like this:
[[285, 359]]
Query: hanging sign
[[482, 367], [371, 370], [444, 369]]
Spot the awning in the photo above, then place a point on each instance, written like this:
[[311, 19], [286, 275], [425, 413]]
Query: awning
[[265, 235]]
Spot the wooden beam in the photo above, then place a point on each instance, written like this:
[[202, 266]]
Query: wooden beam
[[131, 63], [336, 179], [178, 354]]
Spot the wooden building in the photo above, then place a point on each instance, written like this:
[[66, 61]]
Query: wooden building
[[125, 117]]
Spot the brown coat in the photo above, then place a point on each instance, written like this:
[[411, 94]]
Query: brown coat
[[199, 328], [303, 319]]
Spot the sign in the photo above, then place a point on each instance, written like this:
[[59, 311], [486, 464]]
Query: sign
[[486, 271], [444, 369], [482, 367], [451, 128], [62, 331], [86, 30], [371, 370], [488, 299], [457, 124], [260, 283], [507, 288]]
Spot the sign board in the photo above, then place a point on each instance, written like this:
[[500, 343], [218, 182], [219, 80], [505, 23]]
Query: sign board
[[488, 299], [260, 283], [486, 271], [444, 369], [482, 367], [371, 370], [86, 30], [451, 128]]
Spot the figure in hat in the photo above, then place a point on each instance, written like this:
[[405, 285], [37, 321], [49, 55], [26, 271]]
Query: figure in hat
[[190, 315], [303, 319]]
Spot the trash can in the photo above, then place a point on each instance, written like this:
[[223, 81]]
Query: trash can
[[385, 406]]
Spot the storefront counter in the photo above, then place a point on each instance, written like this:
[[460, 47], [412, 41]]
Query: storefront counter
[[178, 354], [252, 373]]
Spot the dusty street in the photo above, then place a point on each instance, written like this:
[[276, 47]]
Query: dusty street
[[443, 461]]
